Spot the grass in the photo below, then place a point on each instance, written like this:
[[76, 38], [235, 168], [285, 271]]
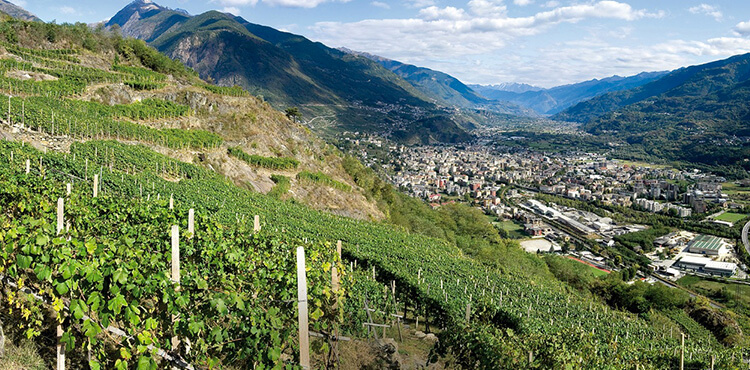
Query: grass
[[730, 217], [594, 270], [732, 188], [514, 230], [23, 356]]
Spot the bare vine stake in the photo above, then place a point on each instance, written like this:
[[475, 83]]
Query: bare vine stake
[[256, 223], [171, 201], [68, 188], [304, 339], [96, 185], [28, 166], [682, 351]]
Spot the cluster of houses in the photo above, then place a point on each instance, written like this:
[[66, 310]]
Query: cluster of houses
[[443, 173]]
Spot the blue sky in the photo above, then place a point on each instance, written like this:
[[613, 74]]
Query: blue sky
[[541, 42]]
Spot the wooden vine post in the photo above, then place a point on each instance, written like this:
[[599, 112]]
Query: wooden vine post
[[256, 223], [175, 275], [60, 345], [304, 338], [28, 166], [682, 351], [96, 185]]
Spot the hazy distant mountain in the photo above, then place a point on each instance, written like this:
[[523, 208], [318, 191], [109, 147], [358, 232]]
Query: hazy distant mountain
[[286, 69], [443, 88], [556, 99], [16, 11], [514, 87], [698, 113]]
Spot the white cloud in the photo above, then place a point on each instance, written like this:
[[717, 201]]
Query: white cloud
[[522, 2], [708, 10], [488, 8], [298, 3], [742, 28], [67, 10], [449, 13], [419, 4], [446, 32], [551, 4], [380, 4], [231, 10], [236, 3]]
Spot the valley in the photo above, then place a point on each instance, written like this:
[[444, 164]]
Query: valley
[[200, 192]]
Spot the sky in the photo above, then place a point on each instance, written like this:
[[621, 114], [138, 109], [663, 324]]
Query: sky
[[540, 42]]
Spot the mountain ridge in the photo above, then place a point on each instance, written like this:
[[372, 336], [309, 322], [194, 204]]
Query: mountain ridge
[[288, 70], [555, 99], [697, 114], [16, 11]]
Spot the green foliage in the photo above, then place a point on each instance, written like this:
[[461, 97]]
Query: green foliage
[[643, 240], [574, 273], [638, 297], [293, 114], [281, 188], [225, 90], [140, 52], [322, 179], [280, 163]]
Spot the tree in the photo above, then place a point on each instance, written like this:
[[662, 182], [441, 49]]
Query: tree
[[293, 114]]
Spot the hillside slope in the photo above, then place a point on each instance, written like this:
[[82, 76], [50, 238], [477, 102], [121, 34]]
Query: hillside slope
[[334, 90], [141, 142], [164, 110], [697, 114]]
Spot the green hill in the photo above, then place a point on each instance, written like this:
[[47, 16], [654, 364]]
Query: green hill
[[697, 114]]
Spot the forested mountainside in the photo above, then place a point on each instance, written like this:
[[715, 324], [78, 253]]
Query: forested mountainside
[[697, 114]]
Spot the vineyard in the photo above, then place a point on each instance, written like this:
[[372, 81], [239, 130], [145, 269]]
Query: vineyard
[[510, 314], [99, 271]]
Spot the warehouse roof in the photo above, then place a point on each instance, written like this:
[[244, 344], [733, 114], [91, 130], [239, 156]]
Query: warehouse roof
[[707, 242]]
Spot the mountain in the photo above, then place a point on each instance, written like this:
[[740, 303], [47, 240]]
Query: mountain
[[514, 87], [442, 88], [556, 99], [16, 11], [698, 113], [335, 90]]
